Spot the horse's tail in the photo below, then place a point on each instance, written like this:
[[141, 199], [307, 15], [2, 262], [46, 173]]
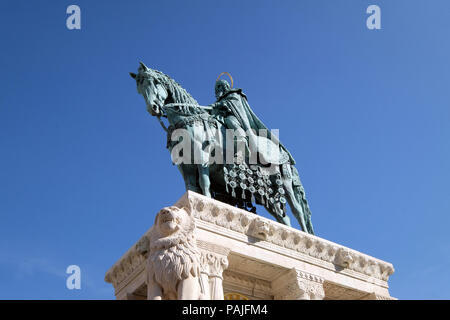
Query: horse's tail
[[307, 212], [300, 195]]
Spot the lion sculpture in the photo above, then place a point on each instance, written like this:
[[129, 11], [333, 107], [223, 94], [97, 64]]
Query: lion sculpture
[[173, 265], [261, 228]]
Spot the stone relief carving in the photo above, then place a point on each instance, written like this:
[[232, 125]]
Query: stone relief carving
[[344, 258], [261, 229]]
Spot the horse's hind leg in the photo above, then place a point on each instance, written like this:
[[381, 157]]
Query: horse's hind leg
[[205, 183]]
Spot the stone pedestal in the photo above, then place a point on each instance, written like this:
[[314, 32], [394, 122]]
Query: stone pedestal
[[245, 256]]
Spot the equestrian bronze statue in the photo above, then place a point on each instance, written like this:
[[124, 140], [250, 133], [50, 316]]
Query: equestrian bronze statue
[[224, 150]]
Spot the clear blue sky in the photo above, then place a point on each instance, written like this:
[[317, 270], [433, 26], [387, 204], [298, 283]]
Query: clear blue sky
[[84, 169]]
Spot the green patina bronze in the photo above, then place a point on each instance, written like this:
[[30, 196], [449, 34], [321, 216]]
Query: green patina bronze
[[272, 181]]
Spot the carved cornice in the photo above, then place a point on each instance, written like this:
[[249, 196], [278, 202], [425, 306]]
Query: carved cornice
[[132, 262], [241, 221]]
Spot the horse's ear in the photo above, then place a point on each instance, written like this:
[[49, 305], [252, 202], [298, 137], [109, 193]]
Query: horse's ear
[[143, 66], [133, 75]]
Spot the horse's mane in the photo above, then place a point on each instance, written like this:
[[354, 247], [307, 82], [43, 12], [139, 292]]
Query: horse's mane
[[179, 94], [188, 105]]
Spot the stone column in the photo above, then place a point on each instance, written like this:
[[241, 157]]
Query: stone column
[[214, 261], [298, 285]]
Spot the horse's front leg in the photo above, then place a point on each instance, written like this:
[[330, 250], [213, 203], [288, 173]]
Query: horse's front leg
[[201, 158], [205, 183], [188, 171]]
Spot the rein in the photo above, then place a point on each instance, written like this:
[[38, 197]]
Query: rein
[[162, 124], [191, 105]]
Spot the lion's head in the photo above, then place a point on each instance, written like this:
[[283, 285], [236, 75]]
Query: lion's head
[[169, 220], [261, 229], [173, 225]]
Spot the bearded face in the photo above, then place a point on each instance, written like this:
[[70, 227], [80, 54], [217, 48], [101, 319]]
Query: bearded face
[[221, 88]]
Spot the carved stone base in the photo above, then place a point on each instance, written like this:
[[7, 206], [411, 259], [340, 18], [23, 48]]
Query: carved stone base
[[245, 256]]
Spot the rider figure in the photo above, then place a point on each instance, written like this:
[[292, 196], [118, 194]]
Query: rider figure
[[222, 111], [234, 111]]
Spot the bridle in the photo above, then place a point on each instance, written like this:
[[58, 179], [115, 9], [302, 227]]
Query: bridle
[[169, 105]]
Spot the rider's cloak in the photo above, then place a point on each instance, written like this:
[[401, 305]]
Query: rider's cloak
[[236, 101]]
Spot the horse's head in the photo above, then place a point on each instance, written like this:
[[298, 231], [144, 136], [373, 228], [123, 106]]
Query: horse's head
[[152, 89]]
